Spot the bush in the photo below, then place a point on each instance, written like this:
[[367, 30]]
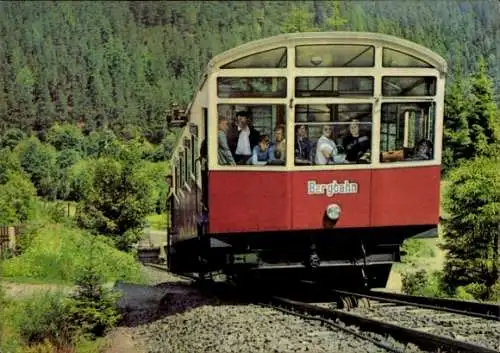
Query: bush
[[423, 284], [471, 231], [58, 253], [92, 309]]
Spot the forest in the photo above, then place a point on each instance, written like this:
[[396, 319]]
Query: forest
[[122, 64], [85, 88]]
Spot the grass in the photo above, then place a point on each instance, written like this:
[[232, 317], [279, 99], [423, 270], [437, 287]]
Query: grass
[[157, 221], [37, 325], [57, 254]]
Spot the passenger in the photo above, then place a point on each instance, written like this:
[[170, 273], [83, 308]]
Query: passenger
[[355, 145], [326, 148], [279, 146], [223, 152], [262, 153], [302, 144], [248, 138], [423, 150]]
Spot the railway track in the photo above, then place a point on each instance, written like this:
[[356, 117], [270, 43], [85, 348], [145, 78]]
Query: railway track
[[374, 324], [486, 311], [424, 340]]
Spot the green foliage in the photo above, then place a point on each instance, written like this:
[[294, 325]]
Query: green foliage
[[80, 179], [58, 253], [472, 119], [120, 198], [38, 160], [92, 309], [66, 137], [416, 248], [423, 284], [11, 138], [471, 231], [299, 19], [17, 196], [131, 60]]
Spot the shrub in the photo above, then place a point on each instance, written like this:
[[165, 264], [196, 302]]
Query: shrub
[[92, 309], [422, 283], [59, 253], [471, 231]]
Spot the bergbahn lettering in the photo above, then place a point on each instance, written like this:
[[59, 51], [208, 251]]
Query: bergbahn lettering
[[346, 187]]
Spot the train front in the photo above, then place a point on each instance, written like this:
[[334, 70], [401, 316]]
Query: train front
[[324, 155]]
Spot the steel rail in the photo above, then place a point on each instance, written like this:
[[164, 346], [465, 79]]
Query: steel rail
[[468, 308], [423, 340]]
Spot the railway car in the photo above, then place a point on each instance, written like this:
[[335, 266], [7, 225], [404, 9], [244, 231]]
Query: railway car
[[308, 155]]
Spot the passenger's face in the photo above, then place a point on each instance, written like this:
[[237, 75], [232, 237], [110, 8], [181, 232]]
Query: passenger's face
[[223, 125], [327, 131], [302, 131], [242, 121], [354, 129], [263, 145], [279, 135]]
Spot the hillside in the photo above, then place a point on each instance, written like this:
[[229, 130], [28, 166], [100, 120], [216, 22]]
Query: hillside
[[121, 64]]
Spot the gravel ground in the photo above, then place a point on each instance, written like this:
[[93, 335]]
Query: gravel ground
[[469, 329], [172, 317]]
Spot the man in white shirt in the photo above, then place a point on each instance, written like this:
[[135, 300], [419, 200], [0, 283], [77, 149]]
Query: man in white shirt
[[248, 138], [326, 148]]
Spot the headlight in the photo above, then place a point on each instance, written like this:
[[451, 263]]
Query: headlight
[[333, 211]]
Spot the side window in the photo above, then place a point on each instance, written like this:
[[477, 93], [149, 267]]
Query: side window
[[182, 168], [251, 134], [187, 159], [407, 132], [177, 175], [333, 133]]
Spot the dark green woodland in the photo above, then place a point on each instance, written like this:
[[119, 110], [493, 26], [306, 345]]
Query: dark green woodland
[[121, 64]]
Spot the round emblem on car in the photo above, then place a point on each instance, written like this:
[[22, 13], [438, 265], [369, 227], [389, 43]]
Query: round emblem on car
[[333, 211]]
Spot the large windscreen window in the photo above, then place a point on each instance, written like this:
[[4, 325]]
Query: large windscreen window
[[274, 58], [407, 132], [345, 86], [408, 86], [251, 134], [335, 55], [251, 87], [332, 133]]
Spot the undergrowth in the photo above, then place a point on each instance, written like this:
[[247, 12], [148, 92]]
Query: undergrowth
[[58, 253]]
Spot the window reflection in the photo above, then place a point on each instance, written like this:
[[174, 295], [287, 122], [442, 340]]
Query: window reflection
[[407, 132], [333, 86], [274, 58], [394, 58], [252, 134], [333, 134], [251, 87], [408, 86], [336, 55]]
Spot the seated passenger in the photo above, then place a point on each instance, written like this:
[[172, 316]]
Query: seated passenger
[[224, 155], [326, 148], [279, 146], [262, 153], [423, 150], [355, 145], [302, 144]]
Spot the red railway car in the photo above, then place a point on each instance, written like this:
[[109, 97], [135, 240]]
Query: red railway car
[[309, 154]]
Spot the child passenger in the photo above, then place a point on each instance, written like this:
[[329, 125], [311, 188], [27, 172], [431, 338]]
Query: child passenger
[[262, 153]]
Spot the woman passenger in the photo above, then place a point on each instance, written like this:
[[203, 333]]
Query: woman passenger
[[262, 153]]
